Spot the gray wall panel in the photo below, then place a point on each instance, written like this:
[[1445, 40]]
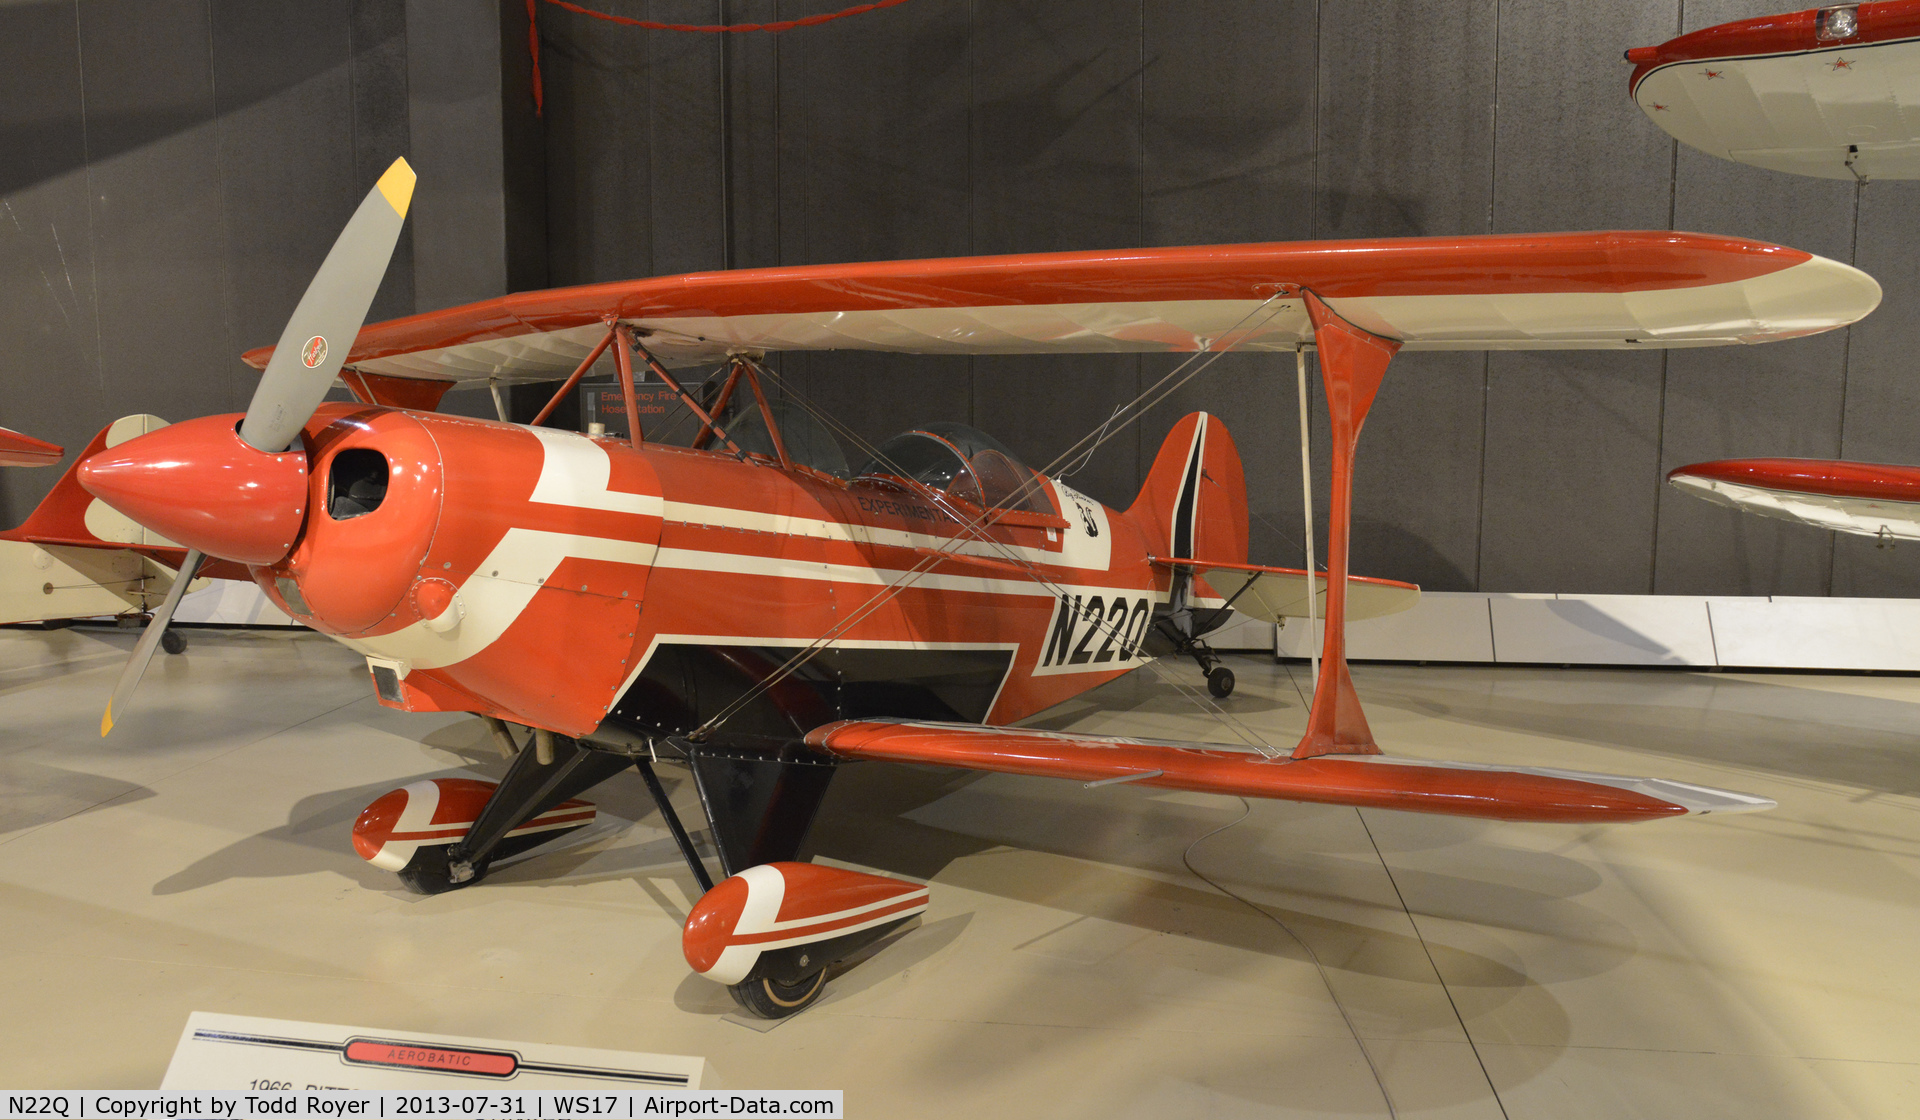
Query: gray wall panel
[[874, 127], [1227, 150], [1406, 139], [1057, 164], [453, 103], [599, 170], [1416, 491], [685, 142], [293, 154], [1780, 399], [1572, 472], [160, 276], [1882, 419], [1056, 131], [1407, 148], [50, 384], [1572, 151], [1227, 136]]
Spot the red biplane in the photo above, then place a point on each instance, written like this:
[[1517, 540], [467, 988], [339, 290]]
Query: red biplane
[[752, 607]]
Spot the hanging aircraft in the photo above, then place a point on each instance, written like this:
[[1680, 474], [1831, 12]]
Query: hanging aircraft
[[18, 450], [1830, 92], [76, 557], [756, 608], [1867, 499]]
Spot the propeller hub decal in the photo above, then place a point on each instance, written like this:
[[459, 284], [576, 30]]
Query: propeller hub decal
[[314, 352]]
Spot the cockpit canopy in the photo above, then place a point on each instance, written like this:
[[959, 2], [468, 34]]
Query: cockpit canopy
[[964, 462]]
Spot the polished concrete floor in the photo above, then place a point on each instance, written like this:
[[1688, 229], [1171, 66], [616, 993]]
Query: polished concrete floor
[[1071, 965]]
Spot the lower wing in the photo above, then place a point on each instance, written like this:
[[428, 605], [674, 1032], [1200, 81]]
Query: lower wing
[[1461, 789]]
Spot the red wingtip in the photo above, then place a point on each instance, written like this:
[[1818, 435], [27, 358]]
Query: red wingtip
[[17, 450]]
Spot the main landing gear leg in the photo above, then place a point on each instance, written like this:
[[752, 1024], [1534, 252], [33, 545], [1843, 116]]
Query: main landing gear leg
[[759, 807], [530, 788]]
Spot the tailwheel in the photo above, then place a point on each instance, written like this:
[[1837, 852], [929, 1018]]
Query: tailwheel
[[1220, 682], [770, 999], [173, 641]]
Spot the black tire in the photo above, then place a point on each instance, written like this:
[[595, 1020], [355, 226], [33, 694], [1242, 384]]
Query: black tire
[[427, 872], [1220, 682], [771, 999], [173, 641]]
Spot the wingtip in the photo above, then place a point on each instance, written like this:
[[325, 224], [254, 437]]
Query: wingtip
[[396, 185]]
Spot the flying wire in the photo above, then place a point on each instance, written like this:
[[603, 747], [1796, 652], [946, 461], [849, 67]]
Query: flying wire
[[975, 526], [1205, 703]]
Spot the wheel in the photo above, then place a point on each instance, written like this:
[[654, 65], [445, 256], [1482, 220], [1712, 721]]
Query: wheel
[[427, 872], [771, 999], [1220, 682], [173, 641]]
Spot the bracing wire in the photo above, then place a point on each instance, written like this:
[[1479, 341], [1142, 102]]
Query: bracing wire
[[975, 526], [1199, 699]]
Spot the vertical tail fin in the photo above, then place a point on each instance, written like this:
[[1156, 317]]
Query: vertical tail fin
[[1193, 505]]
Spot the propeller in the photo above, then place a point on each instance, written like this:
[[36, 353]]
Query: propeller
[[315, 342], [149, 640], [311, 351]]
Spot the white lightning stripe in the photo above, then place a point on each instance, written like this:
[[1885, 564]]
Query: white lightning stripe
[[423, 800], [505, 582], [578, 472], [726, 517], [823, 919], [755, 564]]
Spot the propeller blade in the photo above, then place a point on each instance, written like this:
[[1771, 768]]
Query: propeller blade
[[149, 640], [315, 343]]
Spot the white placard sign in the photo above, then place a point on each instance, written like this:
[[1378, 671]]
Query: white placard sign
[[241, 1052]]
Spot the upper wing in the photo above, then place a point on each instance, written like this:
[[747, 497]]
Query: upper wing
[[1464, 789], [1870, 499], [17, 450], [1571, 290], [1277, 593]]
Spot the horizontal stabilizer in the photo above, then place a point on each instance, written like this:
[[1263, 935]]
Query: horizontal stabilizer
[[1278, 593], [1461, 789]]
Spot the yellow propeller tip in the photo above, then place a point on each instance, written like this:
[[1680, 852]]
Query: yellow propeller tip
[[396, 186], [106, 722]]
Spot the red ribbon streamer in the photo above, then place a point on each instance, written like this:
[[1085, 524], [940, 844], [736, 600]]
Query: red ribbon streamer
[[533, 30]]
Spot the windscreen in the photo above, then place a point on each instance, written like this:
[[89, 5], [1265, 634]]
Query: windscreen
[[964, 462]]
